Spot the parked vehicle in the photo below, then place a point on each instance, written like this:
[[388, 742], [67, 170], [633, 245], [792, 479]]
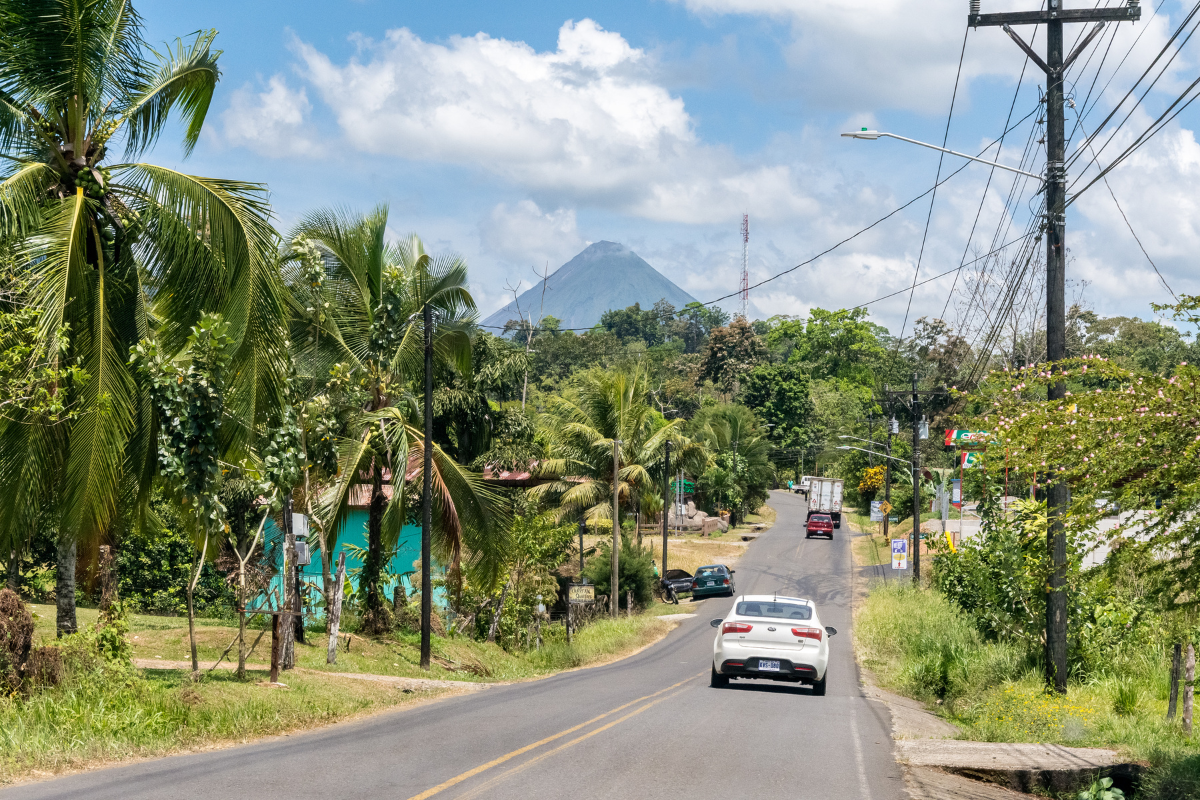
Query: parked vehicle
[[803, 484], [819, 525], [767, 637], [825, 497], [679, 579], [715, 579]]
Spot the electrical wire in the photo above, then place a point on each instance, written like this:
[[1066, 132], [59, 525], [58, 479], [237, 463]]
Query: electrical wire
[[1179, 30], [838, 244], [941, 157], [988, 185]]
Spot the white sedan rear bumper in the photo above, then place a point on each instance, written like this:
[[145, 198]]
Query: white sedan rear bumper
[[803, 663]]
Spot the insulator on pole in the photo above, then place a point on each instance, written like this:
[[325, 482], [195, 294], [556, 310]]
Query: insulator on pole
[[975, 5]]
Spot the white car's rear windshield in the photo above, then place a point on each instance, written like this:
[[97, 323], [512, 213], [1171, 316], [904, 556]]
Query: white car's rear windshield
[[775, 610]]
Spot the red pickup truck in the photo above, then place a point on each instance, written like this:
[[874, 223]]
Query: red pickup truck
[[819, 524]]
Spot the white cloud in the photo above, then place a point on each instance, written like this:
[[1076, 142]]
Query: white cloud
[[523, 234], [271, 122], [863, 55], [585, 122]]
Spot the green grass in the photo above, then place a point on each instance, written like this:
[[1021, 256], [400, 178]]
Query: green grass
[[114, 714], [106, 714], [919, 645], [454, 658]]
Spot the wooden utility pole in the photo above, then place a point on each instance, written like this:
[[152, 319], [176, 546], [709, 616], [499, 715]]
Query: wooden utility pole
[[666, 502], [616, 540], [1189, 677], [1053, 15], [427, 493], [916, 482], [887, 473]]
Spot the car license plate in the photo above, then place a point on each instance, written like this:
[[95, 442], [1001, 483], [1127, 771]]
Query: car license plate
[[768, 666]]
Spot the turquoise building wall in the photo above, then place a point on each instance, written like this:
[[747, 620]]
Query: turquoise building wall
[[354, 532]]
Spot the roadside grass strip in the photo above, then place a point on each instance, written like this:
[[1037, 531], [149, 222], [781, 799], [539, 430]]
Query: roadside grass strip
[[661, 695]]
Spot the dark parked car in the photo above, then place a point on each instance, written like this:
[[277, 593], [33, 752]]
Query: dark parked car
[[679, 579], [713, 579], [819, 525]]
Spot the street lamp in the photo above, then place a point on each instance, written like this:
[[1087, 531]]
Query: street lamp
[[872, 452], [870, 135]]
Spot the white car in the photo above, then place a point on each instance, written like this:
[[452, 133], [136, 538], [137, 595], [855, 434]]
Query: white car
[[771, 637]]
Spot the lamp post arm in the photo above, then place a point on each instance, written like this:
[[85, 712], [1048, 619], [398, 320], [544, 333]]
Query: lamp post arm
[[872, 452], [878, 134]]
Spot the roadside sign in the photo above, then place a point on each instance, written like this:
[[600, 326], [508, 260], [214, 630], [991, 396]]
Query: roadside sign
[[967, 440], [581, 592], [956, 492], [899, 553], [970, 460], [876, 511], [893, 519], [688, 486]]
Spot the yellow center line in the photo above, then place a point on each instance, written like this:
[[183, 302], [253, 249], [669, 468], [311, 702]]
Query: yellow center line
[[441, 787], [478, 790]]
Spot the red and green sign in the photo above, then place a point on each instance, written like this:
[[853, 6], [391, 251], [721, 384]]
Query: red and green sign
[[967, 440]]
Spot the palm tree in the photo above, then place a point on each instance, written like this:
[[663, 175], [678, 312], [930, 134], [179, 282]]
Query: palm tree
[[741, 469], [580, 426], [359, 335], [118, 251]]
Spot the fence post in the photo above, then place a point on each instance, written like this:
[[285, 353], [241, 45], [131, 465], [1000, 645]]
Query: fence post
[[1176, 665]]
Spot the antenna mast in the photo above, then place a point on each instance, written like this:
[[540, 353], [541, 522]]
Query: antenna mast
[[745, 287]]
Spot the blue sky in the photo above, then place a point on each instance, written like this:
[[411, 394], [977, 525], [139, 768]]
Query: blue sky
[[516, 133]]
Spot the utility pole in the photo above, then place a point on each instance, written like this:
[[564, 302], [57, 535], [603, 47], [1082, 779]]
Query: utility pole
[[916, 482], [616, 542], [427, 494], [1055, 64], [887, 476], [666, 502]]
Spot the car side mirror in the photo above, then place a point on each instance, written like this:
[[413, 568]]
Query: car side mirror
[[716, 623], [732, 571], [830, 631]]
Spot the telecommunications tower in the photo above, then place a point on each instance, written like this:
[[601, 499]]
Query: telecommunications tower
[[744, 289]]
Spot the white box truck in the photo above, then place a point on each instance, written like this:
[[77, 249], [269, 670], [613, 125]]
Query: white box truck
[[825, 497]]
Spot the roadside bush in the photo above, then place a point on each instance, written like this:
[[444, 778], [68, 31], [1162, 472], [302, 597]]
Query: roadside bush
[[16, 638], [1175, 780], [920, 644], [634, 572]]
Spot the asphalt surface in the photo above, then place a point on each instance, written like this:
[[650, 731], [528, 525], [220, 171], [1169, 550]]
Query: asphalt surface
[[648, 726]]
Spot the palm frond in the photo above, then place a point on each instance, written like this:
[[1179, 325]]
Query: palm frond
[[186, 78], [21, 195]]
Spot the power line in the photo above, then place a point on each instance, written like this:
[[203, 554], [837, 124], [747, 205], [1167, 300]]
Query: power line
[[838, 244], [941, 157], [988, 185]]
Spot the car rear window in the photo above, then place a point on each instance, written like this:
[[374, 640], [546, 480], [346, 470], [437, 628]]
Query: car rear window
[[775, 610], [674, 574], [821, 518], [710, 571]]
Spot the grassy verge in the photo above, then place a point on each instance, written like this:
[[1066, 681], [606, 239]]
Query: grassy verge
[[105, 714], [111, 714], [919, 645], [398, 655]]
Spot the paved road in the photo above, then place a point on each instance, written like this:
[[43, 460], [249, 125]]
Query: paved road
[[645, 727]]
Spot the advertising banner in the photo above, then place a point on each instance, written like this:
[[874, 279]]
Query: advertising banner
[[876, 511], [899, 553]]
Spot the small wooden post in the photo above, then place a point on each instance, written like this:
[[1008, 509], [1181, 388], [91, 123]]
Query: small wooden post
[[1176, 667], [568, 619], [335, 613], [276, 646], [1189, 679], [629, 603]]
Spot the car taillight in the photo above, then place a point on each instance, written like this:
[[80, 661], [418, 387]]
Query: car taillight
[[695, 585], [808, 633], [736, 627], [727, 581]]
